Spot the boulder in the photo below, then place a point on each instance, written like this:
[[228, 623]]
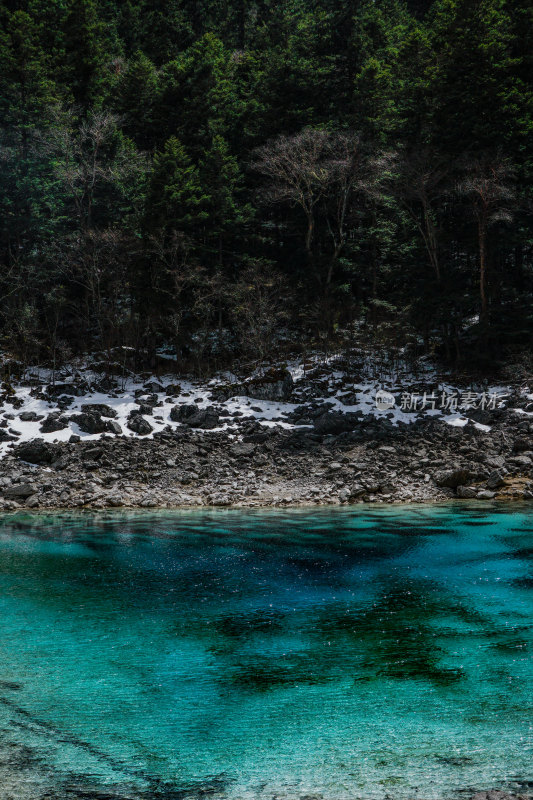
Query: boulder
[[20, 491], [495, 479], [72, 389], [521, 444], [36, 451], [99, 409], [54, 422], [138, 424], [334, 422], [485, 494], [90, 423], [114, 427], [194, 417], [30, 416], [452, 478], [466, 492], [276, 384], [154, 386], [183, 412]]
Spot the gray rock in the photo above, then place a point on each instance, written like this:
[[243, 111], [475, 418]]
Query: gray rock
[[154, 386], [333, 422], [276, 384], [99, 409], [20, 491], [36, 451], [30, 416], [115, 500], [241, 449], [72, 389], [495, 480], [485, 494], [194, 417], [54, 422], [89, 423], [183, 412], [114, 427], [452, 478], [520, 461], [138, 424], [467, 492], [520, 444]]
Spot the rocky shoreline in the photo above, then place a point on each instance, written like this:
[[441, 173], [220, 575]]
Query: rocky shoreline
[[427, 461], [310, 435]]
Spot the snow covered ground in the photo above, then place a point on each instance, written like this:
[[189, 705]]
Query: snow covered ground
[[338, 392]]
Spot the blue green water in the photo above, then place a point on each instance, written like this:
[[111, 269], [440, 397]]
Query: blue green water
[[354, 653]]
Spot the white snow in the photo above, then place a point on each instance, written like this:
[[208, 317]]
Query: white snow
[[397, 380]]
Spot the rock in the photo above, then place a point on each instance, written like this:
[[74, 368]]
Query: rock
[[36, 451], [72, 389], [32, 502], [453, 478], [194, 417], [114, 427], [276, 384], [155, 387], [30, 416], [99, 409], [485, 494], [138, 424], [89, 423], [522, 462], [521, 444], [334, 422], [115, 500], [495, 480], [74, 439], [219, 500], [335, 466], [54, 422], [242, 449], [466, 492], [20, 491]]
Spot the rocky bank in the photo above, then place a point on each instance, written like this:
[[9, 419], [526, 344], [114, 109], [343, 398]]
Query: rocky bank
[[372, 461]]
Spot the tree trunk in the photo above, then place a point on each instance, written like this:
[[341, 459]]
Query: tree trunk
[[482, 236]]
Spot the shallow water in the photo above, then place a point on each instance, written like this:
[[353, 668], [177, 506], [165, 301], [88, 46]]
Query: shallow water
[[365, 653]]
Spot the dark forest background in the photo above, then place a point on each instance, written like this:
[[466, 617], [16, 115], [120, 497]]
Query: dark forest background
[[231, 180]]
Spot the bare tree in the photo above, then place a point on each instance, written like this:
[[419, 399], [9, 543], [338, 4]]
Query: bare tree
[[323, 173], [420, 182], [87, 159], [259, 301], [488, 185]]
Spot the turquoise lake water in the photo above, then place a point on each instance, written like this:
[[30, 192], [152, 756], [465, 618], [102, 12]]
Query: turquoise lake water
[[367, 653]]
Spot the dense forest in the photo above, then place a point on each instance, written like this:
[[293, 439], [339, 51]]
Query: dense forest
[[231, 179]]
